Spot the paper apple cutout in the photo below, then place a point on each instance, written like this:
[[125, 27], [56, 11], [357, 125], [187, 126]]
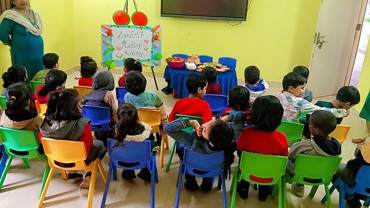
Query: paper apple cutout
[[121, 18], [139, 18]]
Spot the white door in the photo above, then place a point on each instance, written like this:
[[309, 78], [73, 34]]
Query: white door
[[335, 38]]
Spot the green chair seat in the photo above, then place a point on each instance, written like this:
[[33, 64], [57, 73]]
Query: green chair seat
[[35, 85], [292, 130]]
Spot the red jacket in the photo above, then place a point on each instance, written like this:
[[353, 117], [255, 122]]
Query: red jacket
[[85, 82], [121, 81], [192, 107], [40, 99], [214, 89]]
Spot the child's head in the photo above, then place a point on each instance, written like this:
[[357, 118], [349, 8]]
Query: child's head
[[322, 123], [135, 82], [210, 73], [267, 113], [127, 120], [239, 98], [132, 65], [55, 79], [302, 70], [348, 96], [88, 67], [294, 83], [16, 73], [50, 61], [63, 105], [103, 80], [17, 97], [251, 75], [197, 85]]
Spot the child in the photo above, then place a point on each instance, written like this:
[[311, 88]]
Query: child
[[55, 80], [88, 69], [254, 83], [50, 61], [262, 137], [16, 73], [303, 71], [365, 114], [129, 128], [63, 120], [211, 74], [129, 65], [293, 102], [322, 123], [193, 105], [211, 137]]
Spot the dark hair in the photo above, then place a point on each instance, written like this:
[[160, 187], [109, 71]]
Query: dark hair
[[323, 120], [15, 73], [127, 121], [50, 60], [222, 138], [293, 79], [239, 98], [133, 65], [17, 96], [63, 105], [135, 82], [53, 79], [267, 113], [251, 75], [210, 73], [88, 67], [194, 82], [302, 70], [348, 94]]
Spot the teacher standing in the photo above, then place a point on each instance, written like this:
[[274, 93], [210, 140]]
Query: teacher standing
[[21, 29]]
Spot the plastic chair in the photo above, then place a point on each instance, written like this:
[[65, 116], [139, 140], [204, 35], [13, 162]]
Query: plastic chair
[[153, 118], [218, 103], [189, 129], [23, 144], [139, 153], [3, 103], [67, 156], [209, 164], [35, 85], [362, 187], [315, 170], [340, 133], [228, 61], [261, 169], [292, 130], [120, 94], [205, 58], [41, 108], [181, 55], [99, 117], [82, 91]]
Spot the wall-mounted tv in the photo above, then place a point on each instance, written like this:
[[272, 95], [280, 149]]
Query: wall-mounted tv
[[205, 9]]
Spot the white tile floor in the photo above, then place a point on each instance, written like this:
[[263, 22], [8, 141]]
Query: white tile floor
[[22, 186]]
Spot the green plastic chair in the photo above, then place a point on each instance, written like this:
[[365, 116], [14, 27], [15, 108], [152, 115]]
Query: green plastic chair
[[189, 129], [3, 103], [23, 144], [36, 84], [315, 170], [292, 130], [260, 166]]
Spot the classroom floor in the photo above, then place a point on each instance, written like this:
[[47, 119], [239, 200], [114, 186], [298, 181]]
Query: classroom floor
[[22, 186]]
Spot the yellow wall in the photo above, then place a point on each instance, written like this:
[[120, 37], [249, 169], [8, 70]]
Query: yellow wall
[[364, 83]]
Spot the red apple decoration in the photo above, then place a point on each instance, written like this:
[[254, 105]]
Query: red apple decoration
[[139, 18], [121, 18]]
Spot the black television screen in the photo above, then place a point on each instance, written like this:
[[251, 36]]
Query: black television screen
[[205, 9]]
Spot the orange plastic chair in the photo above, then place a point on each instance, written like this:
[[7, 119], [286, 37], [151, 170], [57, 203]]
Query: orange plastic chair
[[153, 118], [340, 133], [41, 108], [82, 91], [66, 152]]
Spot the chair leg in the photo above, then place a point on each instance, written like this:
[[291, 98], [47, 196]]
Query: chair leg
[[342, 201], [165, 137], [64, 174], [179, 182], [171, 155], [45, 176], [26, 162], [223, 190], [328, 196], [283, 191], [6, 169], [234, 184], [92, 185], [114, 171], [3, 160], [102, 172], [313, 191], [161, 154], [106, 187], [43, 194], [331, 190], [154, 179]]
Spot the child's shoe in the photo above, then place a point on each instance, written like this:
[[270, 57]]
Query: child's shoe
[[74, 177], [145, 175], [354, 202], [262, 196], [128, 175], [298, 189], [243, 193], [206, 185]]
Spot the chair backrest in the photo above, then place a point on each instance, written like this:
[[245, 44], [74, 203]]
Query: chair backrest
[[41, 108], [363, 181], [36, 84], [340, 133], [151, 117], [20, 143], [228, 61], [120, 94], [262, 169], [97, 114], [292, 130], [181, 55], [218, 103], [82, 91], [203, 165], [197, 118], [3, 102], [315, 169], [205, 58]]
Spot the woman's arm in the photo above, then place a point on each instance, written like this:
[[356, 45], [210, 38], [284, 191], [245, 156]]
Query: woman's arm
[[5, 31], [174, 130]]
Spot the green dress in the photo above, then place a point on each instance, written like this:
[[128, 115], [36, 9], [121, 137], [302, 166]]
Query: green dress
[[365, 112]]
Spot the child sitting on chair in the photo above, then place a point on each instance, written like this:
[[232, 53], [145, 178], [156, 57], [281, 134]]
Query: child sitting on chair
[[50, 61], [88, 69], [14, 74], [303, 71], [211, 74], [129, 65], [254, 83], [55, 80]]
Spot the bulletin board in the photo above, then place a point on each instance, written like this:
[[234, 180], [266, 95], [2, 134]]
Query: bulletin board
[[120, 42]]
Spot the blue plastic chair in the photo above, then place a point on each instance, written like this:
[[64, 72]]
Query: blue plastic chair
[[3, 159], [218, 103], [205, 58], [131, 152], [120, 94], [181, 55], [228, 61], [99, 116], [208, 164], [362, 187]]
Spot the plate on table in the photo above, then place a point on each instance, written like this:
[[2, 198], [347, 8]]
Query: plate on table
[[217, 66]]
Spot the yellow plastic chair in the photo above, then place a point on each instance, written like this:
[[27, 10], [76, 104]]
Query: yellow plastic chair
[[153, 118], [41, 108], [67, 156], [340, 133], [82, 91]]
